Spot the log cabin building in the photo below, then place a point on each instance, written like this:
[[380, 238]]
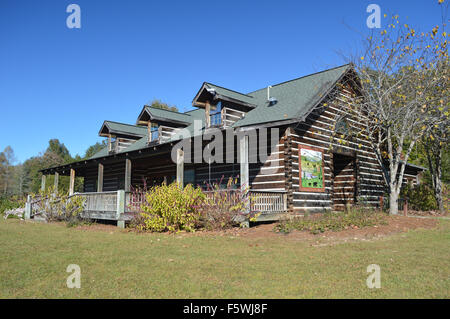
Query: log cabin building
[[315, 163]]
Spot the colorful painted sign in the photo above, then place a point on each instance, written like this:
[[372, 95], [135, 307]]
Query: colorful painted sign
[[311, 169]]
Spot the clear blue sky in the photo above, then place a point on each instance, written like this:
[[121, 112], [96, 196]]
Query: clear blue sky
[[57, 82]]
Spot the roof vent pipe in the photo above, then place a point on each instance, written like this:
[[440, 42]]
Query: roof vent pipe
[[268, 92], [271, 100]]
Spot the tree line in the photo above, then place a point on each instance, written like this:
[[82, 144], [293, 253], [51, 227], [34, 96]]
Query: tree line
[[24, 178]]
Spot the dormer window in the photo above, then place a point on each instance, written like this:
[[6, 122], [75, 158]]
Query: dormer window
[[120, 136], [216, 115], [154, 133], [223, 107], [162, 124]]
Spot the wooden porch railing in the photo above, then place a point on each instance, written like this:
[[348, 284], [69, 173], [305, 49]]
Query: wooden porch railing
[[99, 202], [102, 205], [118, 205], [35, 205], [133, 201], [268, 202], [265, 202]]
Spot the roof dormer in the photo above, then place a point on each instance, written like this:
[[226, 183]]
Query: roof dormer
[[223, 107], [120, 135], [162, 124]]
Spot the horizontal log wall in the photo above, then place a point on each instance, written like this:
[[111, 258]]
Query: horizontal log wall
[[317, 131], [265, 175], [90, 180], [113, 178]]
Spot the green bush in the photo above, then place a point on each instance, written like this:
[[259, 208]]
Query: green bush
[[420, 197], [12, 202], [319, 223], [171, 208]]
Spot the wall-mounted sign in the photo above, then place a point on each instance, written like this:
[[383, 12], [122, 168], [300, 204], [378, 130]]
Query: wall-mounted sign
[[311, 169]]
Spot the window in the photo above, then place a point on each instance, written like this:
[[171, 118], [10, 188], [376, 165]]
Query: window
[[155, 133], [189, 176], [342, 126], [216, 115]]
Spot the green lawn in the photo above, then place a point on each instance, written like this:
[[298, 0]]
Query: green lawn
[[117, 264]]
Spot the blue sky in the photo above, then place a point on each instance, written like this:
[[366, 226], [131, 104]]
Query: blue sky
[[57, 82]]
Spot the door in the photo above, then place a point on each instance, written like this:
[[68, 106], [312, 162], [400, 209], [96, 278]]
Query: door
[[344, 181]]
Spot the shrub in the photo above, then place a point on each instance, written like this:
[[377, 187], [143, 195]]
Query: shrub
[[420, 197], [223, 207], [58, 206], [171, 208], [319, 223], [12, 202]]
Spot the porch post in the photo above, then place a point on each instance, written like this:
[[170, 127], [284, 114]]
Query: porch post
[[243, 159], [149, 131], [207, 111], [120, 208], [72, 181], [127, 175], [43, 182], [244, 175], [100, 178], [56, 182], [27, 214], [180, 167]]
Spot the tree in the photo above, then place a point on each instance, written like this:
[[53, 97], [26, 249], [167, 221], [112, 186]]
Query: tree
[[21, 180], [7, 160], [58, 151], [93, 149], [56, 154], [161, 105], [436, 142], [397, 76]]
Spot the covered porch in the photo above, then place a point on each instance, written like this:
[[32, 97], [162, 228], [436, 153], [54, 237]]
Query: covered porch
[[109, 182]]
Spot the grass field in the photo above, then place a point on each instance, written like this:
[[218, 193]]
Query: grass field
[[117, 264]]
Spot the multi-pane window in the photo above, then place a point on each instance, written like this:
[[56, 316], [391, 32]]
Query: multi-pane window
[[216, 115], [155, 133]]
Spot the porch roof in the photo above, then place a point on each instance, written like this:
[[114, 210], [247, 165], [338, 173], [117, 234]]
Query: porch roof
[[103, 156]]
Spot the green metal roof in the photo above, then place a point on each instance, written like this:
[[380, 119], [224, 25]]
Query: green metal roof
[[221, 91], [166, 115], [295, 98], [102, 153], [197, 114], [125, 129]]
